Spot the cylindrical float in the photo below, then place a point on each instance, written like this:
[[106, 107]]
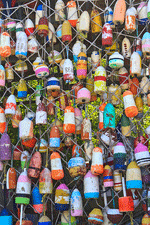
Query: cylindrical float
[[56, 166], [91, 186], [129, 104], [97, 161], [76, 203], [62, 198]]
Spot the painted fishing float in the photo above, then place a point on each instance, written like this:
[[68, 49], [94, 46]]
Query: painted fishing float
[[97, 161], [76, 203], [66, 218], [91, 186], [56, 166], [23, 191], [62, 198]]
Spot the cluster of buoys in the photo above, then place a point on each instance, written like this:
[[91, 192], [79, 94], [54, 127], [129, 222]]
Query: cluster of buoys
[[116, 165]]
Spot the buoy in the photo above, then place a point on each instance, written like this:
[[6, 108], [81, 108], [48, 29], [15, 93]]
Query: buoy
[[108, 177], [135, 64], [77, 166], [114, 215], [142, 12], [146, 219], [16, 118], [84, 22], [37, 201], [108, 16], [54, 57], [44, 220], [29, 143], [29, 27], [38, 14], [35, 165], [65, 218], [23, 191], [129, 104], [66, 32], [2, 76], [68, 73], [91, 186], [26, 129], [125, 126], [5, 147], [95, 216], [96, 22], [53, 84], [51, 33], [76, 203], [77, 48], [126, 48], [146, 45], [32, 45], [56, 166], [19, 29], [9, 72], [62, 198], [133, 176], [101, 112], [116, 60], [126, 202], [10, 107], [2, 121], [72, 13], [119, 157], [82, 66], [54, 137], [59, 31], [78, 120], [69, 120], [42, 146], [5, 50], [144, 85], [11, 178], [21, 66], [41, 114], [119, 12], [59, 7], [100, 80], [109, 116], [21, 45], [123, 78], [83, 96], [22, 89], [43, 27], [25, 159], [88, 148], [45, 182], [41, 70], [109, 137], [25, 222], [114, 94], [97, 161], [117, 181], [107, 35], [130, 19], [17, 153], [95, 59], [142, 155], [86, 129]]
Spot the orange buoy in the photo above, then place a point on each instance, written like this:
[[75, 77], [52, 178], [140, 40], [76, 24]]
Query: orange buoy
[[56, 166], [119, 12], [97, 161], [2, 120], [69, 120], [129, 104], [35, 165]]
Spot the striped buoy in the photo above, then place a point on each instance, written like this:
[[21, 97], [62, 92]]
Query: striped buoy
[[76, 203], [54, 137], [56, 166], [97, 161], [38, 14], [101, 112], [62, 198], [117, 181], [129, 104], [19, 28], [108, 177], [142, 155], [21, 45], [82, 66], [22, 89], [45, 182], [29, 27], [142, 12], [72, 13], [116, 60], [133, 176], [23, 189], [43, 26], [91, 186], [100, 80], [95, 216], [35, 165]]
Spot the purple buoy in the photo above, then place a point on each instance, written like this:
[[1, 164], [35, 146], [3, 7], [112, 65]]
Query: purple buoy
[[5, 147]]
